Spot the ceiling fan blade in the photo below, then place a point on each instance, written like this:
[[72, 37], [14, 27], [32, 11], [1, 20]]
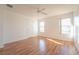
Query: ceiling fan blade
[[44, 13], [38, 10], [42, 9], [9, 5]]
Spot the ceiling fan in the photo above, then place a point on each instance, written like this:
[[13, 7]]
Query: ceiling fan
[[41, 11], [9, 5]]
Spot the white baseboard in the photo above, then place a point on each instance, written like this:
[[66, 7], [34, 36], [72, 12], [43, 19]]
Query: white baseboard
[[18, 39]]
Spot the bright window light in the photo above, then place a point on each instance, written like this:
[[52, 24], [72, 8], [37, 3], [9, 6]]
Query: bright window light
[[66, 27], [42, 24], [35, 27], [76, 23], [76, 20]]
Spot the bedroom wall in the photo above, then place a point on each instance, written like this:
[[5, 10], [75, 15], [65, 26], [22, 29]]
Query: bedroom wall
[[52, 27], [1, 26], [15, 26]]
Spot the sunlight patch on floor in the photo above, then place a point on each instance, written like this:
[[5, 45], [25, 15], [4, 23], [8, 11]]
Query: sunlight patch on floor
[[55, 41]]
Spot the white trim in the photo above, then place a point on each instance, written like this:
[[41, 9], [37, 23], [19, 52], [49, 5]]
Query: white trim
[[6, 42]]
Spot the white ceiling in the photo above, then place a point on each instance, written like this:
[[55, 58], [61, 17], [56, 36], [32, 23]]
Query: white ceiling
[[30, 10]]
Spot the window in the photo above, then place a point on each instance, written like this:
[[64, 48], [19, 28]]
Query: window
[[35, 27], [76, 20], [76, 28], [42, 24], [66, 27]]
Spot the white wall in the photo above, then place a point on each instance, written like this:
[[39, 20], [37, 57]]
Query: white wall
[[1, 25], [35, 27], [15, 26], [52, 27]]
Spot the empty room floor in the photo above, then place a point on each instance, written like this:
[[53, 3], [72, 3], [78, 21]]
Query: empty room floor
[[39, 46]]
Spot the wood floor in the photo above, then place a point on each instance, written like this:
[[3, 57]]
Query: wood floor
[[39, 46]]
